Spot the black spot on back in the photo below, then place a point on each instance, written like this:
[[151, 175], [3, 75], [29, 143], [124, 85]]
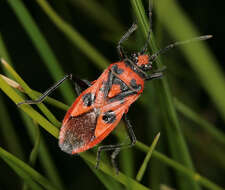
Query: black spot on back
[[117, 70], [109, 117], [134, 85], [123, 86], [88, 99]]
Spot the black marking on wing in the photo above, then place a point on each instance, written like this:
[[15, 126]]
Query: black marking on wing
[[134, 85], [121, 96], [109, 117], [123, 86], [117, 70], [88, 99]]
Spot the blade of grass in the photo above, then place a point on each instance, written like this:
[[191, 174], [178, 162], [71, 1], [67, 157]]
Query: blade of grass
[[214, 152], [44, 155], [101, 16], [73, 35], [180, 27], [42, 46], [125, 180], [143, 167], [177, 143], [180, 168], [108, 182], [11, 140], [34, 152], [126, 158], [205, 125], [23, 175], [28, 90], [26, 168], [28, 109]]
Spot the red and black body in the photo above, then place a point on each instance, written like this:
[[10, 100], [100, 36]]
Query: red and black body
[[99, 108]]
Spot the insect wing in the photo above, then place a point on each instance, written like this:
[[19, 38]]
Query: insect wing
[[111, 115]]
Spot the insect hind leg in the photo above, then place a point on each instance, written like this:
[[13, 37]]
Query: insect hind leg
[[116, 148], [79, 84]]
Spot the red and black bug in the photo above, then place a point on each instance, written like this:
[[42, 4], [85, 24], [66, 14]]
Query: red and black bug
[[104, 102]]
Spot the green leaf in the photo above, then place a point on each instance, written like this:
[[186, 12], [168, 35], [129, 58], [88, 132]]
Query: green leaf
[[143, 167], [26, 168]]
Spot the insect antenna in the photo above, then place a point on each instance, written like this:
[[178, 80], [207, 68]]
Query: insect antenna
[[170, 46], [144, 49]]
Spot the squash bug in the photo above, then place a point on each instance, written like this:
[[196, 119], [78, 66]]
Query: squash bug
[[101, 104]]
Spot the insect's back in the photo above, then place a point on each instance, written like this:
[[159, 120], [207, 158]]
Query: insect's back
[[99, 108]]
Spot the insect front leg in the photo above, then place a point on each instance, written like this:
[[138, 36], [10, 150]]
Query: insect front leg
[[116, 148], [124, 38]]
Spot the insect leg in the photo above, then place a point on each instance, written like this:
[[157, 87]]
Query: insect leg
[[116, 148], [132, 142], [154, 76], [82, 83], [124, 38]]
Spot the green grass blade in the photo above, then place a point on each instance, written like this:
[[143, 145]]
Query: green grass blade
[[26, 168], [6, 127], [34, 152], [214, 152], [108, 181], [44, 155], [41, 45], [125, 180], [180, 168], [189, 113], [28, 109], [199, 56], [99, 14], [143, 167], [73, 35], [29, 181], [28, 90], [176, 141], [11, 140]]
